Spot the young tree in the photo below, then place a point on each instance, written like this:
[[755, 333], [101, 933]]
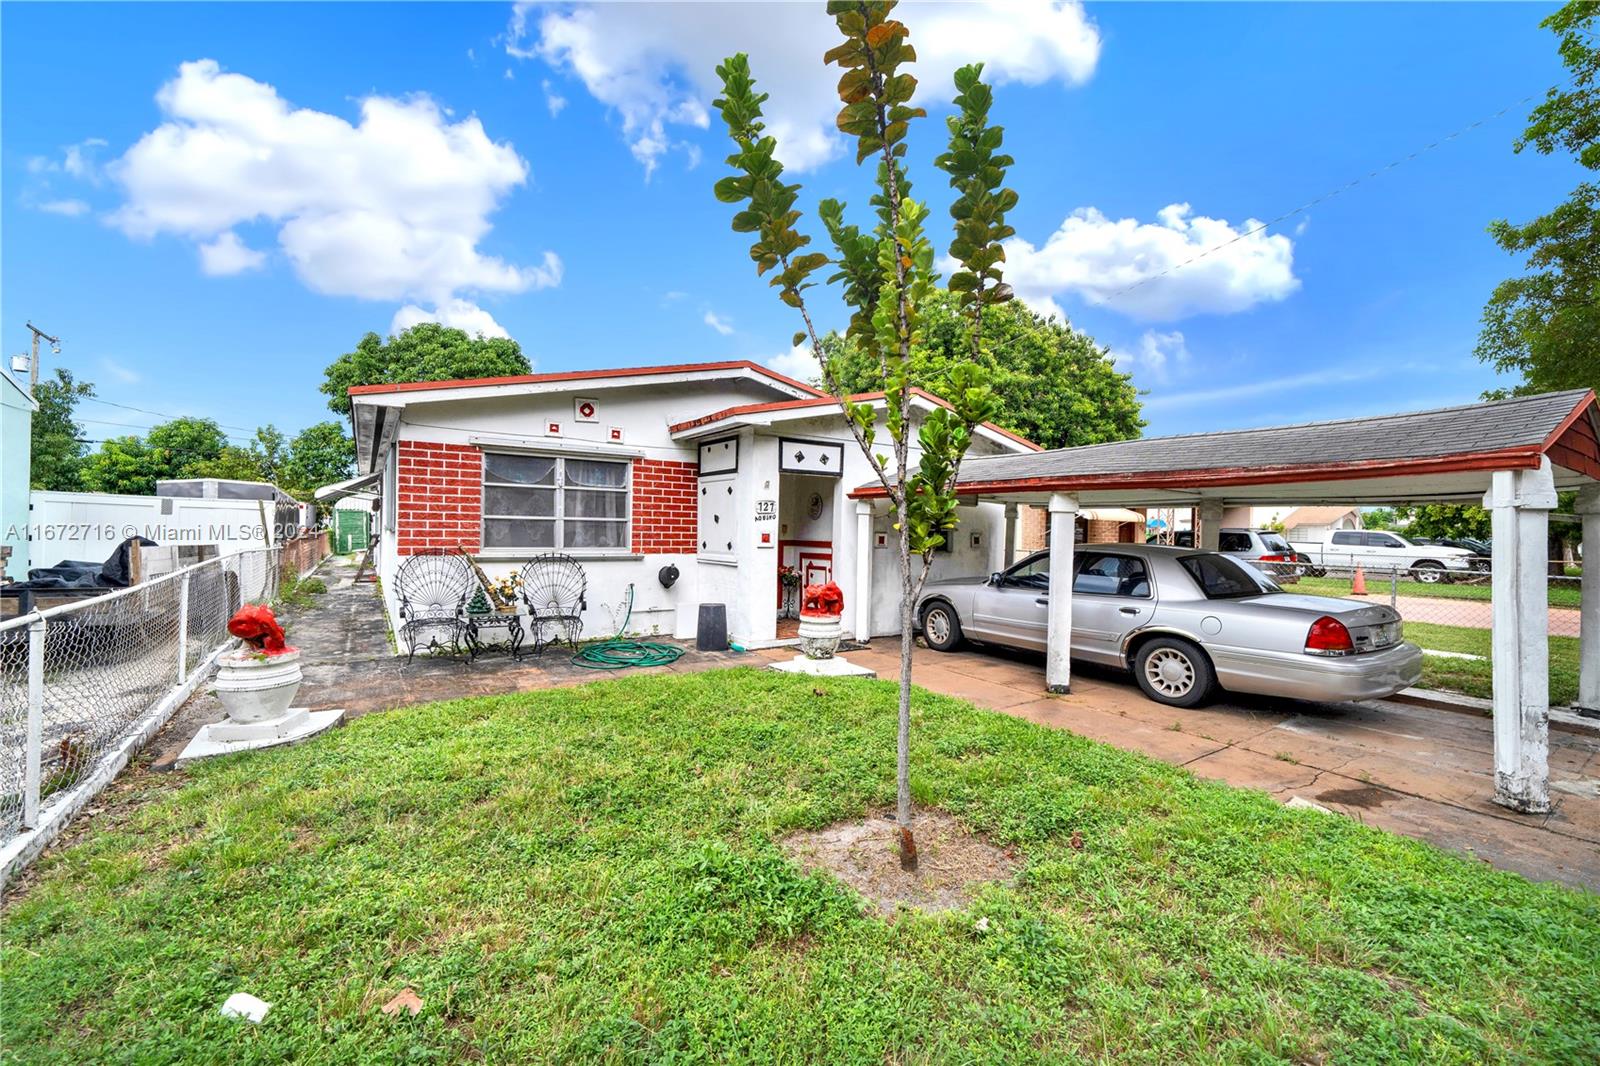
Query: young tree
[[425, 352], [1545, 325], [887, 279], [57, 438]]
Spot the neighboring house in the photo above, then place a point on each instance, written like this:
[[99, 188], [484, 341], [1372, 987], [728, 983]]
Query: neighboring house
[[16, 450], [1315, 523], [1094, 525], [724, 471], [1255, 517]]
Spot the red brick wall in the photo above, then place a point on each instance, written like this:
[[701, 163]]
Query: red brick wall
[[665, 507], [441, 497]]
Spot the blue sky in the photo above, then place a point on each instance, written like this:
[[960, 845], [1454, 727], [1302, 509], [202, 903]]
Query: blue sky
[[210, 203]]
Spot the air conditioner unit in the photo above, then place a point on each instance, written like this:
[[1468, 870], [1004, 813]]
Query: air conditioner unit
[[20, 364]]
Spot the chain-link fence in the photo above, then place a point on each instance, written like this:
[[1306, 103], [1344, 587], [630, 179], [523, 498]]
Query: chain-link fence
[[1449, 614], [83, 685]]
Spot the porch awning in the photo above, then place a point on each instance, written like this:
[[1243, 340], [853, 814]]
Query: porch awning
[[1111, 514]]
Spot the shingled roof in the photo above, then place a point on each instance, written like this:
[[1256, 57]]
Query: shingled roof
[[1514, 432]]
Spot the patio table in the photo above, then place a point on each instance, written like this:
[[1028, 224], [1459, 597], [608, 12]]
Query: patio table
[[510, 621]]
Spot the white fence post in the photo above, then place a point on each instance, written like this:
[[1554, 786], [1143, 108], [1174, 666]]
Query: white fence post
[[183, 628], [35, 739], [1394, 587]]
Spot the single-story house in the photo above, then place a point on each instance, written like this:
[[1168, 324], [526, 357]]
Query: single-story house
[[1315, 523], [17, 407], [725, 471]]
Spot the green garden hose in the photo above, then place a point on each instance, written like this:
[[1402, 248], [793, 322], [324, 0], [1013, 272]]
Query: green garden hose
[[619, 654]]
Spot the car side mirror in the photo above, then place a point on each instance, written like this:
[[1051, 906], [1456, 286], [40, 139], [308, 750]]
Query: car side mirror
[[994, 578]]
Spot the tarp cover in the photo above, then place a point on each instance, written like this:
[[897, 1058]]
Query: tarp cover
[[77, 574]]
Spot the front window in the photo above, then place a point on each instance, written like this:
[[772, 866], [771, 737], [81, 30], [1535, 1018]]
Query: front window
[[1031, 573], [554, 503], [1221, 577]]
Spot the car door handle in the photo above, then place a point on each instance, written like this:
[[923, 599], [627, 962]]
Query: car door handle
[[1043, 601], [1128, 610]]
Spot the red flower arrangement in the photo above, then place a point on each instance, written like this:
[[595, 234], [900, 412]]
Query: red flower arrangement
[[257, 626]]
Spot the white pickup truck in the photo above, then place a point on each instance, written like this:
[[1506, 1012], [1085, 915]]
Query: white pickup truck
[[1376, 549]]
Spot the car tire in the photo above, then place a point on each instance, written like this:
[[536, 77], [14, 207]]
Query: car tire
[[941, 628], [1174, 672], [1428, 572]]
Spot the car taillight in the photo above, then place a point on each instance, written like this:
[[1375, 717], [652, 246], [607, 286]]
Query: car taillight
[[1276, 559], [1328, 636]]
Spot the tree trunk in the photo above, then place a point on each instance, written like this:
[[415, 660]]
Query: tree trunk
[[908, 845]]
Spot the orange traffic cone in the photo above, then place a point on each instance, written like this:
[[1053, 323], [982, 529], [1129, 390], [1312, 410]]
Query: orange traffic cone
[[1358, 587]]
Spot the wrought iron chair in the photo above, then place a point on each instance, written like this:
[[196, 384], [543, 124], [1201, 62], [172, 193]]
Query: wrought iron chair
[[553, 587], [432, 590]]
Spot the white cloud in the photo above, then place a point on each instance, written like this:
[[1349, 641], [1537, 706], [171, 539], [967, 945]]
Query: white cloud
[[121, 373], [655, 64], [70, 208], [1097, 258], [390, 208], [77, 161], [718, 323], [1261, 387], [798, 363], [552, 99], [227, 254], [1155, 356], [457, 314]]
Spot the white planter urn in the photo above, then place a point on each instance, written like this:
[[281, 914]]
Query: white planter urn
[[819, 635], [257, 688]]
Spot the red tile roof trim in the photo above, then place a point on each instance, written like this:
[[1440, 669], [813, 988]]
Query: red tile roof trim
[[583, 375]]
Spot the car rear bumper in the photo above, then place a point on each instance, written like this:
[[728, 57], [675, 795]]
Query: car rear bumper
[[1369, 676]]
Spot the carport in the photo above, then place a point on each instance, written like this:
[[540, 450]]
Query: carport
[[1513, 456]]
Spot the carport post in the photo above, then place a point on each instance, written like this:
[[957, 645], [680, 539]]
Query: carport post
[[1520, 502], [1011, 537], [863, 570], [1209, 538], [1058, 632], [1588, 507]]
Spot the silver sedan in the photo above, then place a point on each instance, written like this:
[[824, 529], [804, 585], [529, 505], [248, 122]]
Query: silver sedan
[[1185, 622]]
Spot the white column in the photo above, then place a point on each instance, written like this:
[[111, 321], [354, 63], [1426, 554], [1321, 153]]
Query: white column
[[1588, 508], [1520, 502], [1058, 635], [863, 570], [1209, 515], [1008, 546]]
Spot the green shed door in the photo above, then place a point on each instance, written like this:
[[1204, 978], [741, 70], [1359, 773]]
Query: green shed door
[[350, 531]]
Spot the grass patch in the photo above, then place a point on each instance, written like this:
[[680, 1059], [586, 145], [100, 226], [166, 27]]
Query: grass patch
[[1563, 592], [1475, 677], [300, 592], [592, 875]]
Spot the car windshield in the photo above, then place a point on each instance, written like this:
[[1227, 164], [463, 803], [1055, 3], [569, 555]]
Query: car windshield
[[1222, 578]]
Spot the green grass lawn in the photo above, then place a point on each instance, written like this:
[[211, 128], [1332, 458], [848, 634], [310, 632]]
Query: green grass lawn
[[1475, 677], [590, 875], [1564, 592]]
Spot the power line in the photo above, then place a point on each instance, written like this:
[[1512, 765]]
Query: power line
[[1346, 187], [129, 425], [158, 414]]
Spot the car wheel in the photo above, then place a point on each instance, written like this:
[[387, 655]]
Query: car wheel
[[1429, 573], [1174, 672], [940, 627]]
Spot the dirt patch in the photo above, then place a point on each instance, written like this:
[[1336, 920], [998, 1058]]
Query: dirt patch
[[1365, 798], [952, 862]]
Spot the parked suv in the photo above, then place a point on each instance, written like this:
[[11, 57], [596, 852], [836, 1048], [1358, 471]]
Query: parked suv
[[1262, 548]]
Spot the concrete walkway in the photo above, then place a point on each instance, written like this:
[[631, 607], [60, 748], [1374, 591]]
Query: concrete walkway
[[1474, 614], [1422, 772]]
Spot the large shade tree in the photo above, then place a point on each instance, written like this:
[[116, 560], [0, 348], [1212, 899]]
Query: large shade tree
[[56, 458], [1544, 326], [425, 352], [1054, 384], [886, 278]]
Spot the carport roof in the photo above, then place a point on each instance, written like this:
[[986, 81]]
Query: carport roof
[[1479, 437]]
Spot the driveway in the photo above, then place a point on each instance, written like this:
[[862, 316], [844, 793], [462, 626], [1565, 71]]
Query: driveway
[[1419, 771]]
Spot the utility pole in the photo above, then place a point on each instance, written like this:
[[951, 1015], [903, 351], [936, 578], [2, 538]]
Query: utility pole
[[33, 363]]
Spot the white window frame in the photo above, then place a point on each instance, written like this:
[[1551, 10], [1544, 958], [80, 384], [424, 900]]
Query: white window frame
[[560, 495]]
